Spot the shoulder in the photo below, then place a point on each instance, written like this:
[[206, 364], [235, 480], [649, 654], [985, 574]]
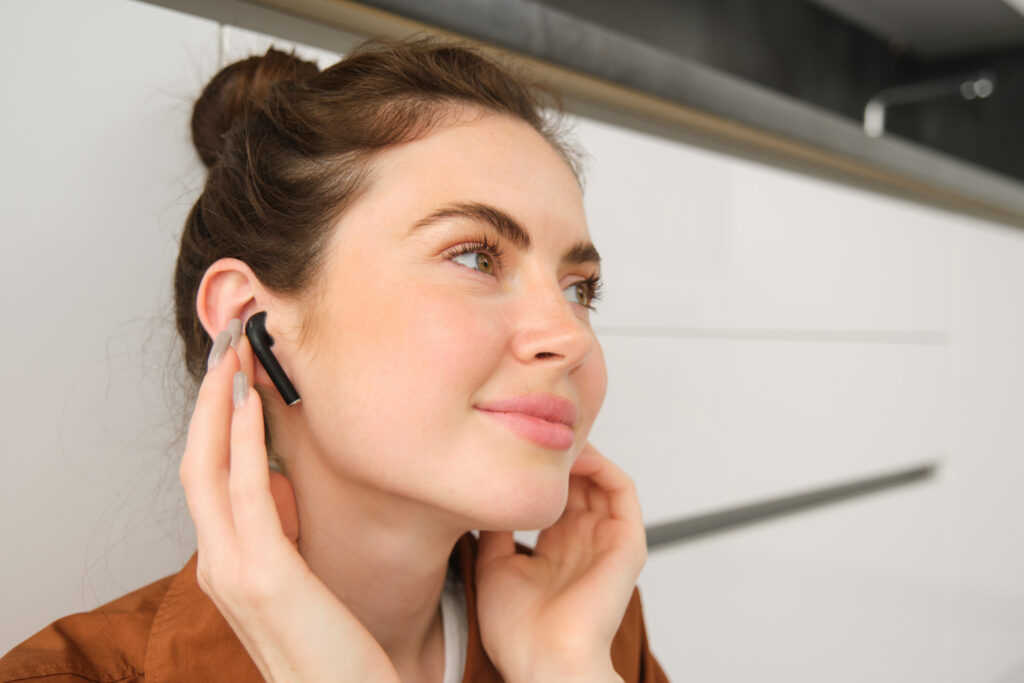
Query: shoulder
[[107, 644]]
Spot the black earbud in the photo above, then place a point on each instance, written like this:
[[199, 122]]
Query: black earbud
[[261, 341]]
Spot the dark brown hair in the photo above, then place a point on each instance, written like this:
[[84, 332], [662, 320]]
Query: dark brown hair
[[289, 148]]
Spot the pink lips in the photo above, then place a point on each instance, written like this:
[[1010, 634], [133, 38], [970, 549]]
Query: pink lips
[[545, 419]]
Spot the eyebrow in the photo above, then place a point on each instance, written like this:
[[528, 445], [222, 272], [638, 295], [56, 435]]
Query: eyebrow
[[507, 227]]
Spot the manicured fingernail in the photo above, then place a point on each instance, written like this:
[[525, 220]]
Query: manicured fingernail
[[241, 389], [220, 347], [235, 328]]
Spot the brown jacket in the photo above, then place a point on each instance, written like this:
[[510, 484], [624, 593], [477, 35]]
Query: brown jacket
[[171, 631]]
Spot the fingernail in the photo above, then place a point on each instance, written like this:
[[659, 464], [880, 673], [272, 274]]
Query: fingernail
[[220, 347], [275, 463], [241, 389], [235, 328]]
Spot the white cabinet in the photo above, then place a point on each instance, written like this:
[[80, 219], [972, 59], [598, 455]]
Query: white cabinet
[[765, 332]]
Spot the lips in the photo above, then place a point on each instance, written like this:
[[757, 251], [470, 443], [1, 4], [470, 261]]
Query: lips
[[544, 406], [544, 419]]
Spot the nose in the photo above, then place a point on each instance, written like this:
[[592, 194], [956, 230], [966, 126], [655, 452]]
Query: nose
[[551, 329]]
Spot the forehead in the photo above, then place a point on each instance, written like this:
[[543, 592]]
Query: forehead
[[493, 159]]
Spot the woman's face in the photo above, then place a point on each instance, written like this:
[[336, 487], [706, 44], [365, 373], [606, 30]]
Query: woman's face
[[414, 338]]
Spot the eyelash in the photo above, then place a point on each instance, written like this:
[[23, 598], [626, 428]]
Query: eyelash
[[592, 284]]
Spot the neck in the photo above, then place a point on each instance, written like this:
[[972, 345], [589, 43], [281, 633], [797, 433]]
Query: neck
[[385, 557]]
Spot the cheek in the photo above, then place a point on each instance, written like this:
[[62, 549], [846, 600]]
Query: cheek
[[594, 382], [414, 361], [444, 344]]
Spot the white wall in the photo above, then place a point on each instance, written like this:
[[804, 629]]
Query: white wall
[[766, 333], [97, 176]]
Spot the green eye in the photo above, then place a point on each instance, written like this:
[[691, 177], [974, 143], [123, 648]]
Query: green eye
[[577, 294], [479, 260], [482, 255], [584, 292], [485, 257]]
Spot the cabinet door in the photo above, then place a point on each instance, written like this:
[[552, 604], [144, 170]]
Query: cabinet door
[[766, 333]]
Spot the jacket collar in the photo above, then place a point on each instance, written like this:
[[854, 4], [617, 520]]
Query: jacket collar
[[191, 641]]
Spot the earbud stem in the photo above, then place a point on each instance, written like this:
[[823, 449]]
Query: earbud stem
[[261, 341]]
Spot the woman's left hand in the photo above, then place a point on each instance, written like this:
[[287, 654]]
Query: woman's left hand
[[552, 615]]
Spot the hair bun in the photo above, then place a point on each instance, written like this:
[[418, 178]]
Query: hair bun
[[237, 90]]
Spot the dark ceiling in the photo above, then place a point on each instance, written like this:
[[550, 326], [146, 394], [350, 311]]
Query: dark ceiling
[[936, 29], [838, 54]]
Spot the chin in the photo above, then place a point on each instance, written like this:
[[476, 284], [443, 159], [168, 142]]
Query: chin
[[524, 512]]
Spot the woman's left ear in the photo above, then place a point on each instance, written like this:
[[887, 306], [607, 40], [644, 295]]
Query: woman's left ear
[[229, 289]]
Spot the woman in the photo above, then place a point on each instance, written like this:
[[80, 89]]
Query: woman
[[413, 229]]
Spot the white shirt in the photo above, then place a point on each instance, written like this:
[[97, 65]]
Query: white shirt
[[456, 630]]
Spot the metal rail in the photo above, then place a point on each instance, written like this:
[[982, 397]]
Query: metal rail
[[690, 528]]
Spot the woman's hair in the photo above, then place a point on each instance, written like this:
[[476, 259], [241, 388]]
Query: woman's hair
[[289, 148]]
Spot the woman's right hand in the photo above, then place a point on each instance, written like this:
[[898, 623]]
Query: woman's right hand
[[290, 623]]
